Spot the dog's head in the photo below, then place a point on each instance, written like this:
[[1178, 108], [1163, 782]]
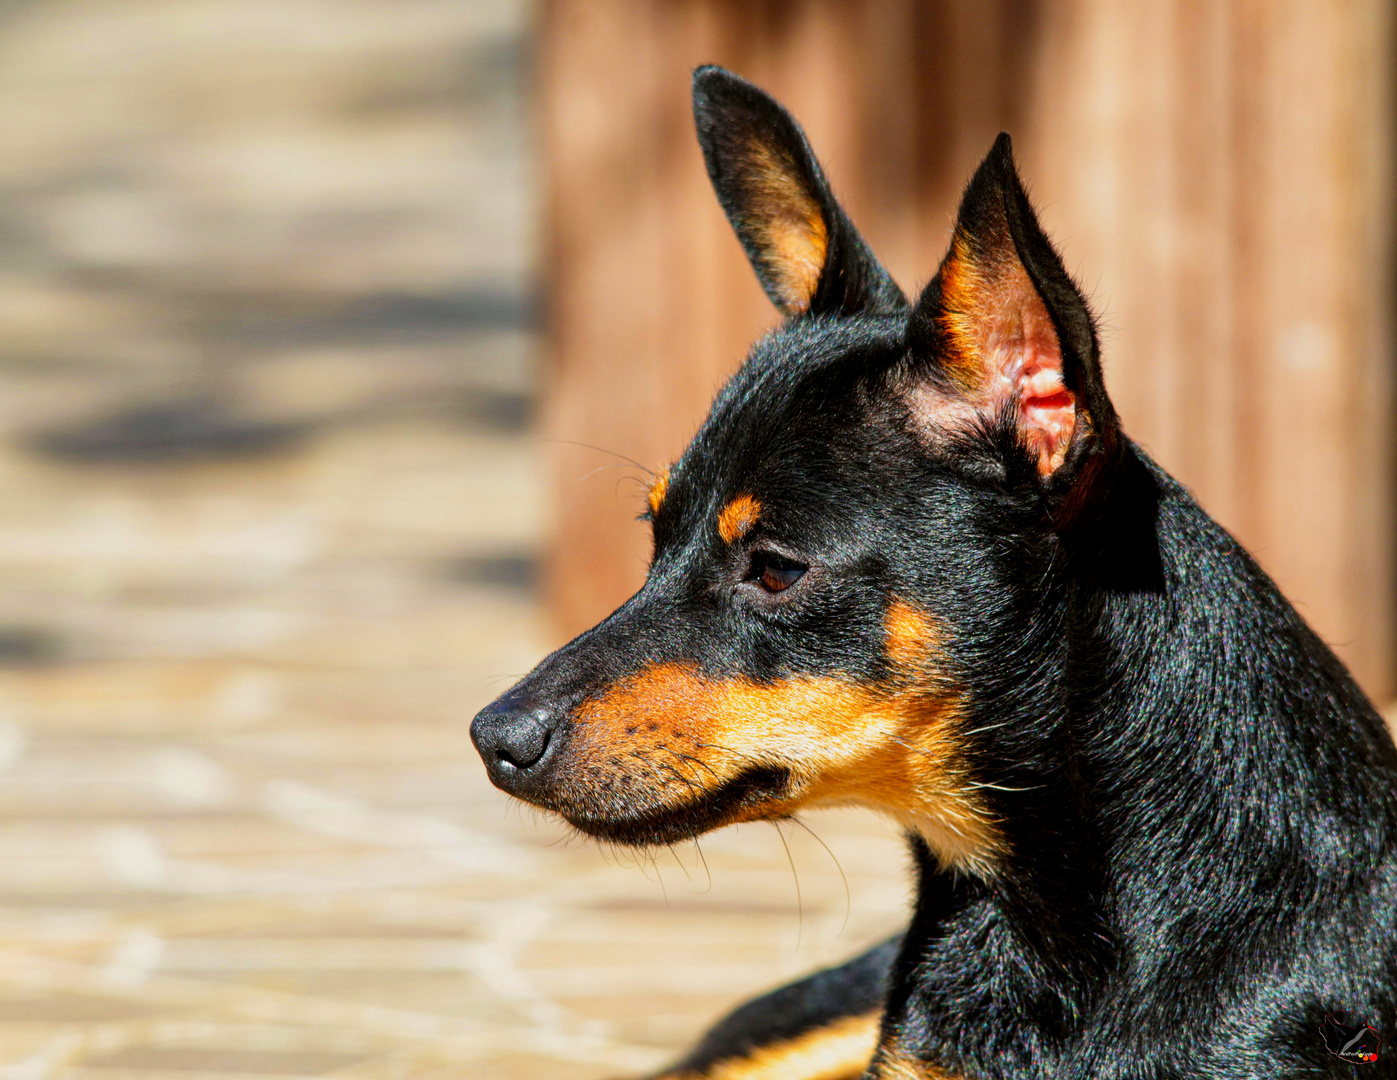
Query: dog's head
[[845, 555]]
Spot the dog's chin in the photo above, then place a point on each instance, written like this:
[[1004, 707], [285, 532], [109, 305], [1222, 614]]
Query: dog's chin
[[753, 794]]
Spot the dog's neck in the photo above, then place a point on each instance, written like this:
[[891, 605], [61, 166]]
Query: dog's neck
[[1169, 667]]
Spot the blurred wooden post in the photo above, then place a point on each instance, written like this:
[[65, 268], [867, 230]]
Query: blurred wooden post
[[1217, 172]]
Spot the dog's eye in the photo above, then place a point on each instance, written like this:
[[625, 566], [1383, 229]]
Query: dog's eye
[[774, 573]]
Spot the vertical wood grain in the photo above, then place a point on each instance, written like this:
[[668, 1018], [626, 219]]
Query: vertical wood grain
[[1219, 173], [1216, 172]]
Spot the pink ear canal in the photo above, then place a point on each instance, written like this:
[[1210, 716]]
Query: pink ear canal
[[1047, 409]]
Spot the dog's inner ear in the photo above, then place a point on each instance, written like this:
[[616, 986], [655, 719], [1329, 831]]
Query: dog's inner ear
[[780, 223], [1003, 328], [1001, 348], [807, 254]]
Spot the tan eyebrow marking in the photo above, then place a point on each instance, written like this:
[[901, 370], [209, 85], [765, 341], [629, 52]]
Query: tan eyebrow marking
[[737, 517], [656, 495]]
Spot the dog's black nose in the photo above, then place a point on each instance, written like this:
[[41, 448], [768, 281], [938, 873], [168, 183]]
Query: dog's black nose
[[513, 735]]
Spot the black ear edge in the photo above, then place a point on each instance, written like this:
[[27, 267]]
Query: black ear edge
[[851, 279], [720, 97], [1061, 295]]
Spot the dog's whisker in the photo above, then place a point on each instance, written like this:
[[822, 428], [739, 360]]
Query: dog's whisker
[[674, 769], [982, 730], [686, 781], [972, 785], [695, 761], [675, 856], [739, 755], [491, 680], [622, 459], [602, 468], [848, 899], [645, 857], [914, 749], [795, 876], [703, 859], [969, 785]]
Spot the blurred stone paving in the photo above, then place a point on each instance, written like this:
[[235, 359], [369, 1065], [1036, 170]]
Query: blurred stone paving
[[253, 837], [269, 516]]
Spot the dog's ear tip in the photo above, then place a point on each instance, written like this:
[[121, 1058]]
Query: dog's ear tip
[[999, 163], [713, 81]]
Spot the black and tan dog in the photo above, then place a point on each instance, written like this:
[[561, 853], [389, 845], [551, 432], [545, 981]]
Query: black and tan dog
[[911, 562]]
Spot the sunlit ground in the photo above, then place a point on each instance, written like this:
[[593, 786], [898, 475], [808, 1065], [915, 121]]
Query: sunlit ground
[[244, 829]]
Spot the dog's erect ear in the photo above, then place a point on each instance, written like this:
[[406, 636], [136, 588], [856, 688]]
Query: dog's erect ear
[[1002, 327], [806, 252]]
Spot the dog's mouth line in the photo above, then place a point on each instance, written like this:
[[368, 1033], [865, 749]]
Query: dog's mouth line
[[753, 787]]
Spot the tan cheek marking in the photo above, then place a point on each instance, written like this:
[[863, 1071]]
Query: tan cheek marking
[[842, 744], [737, 517], [910, 639], [838, 1051], [656, 495]]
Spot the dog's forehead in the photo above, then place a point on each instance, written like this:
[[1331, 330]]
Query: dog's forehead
[[790, 413]]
